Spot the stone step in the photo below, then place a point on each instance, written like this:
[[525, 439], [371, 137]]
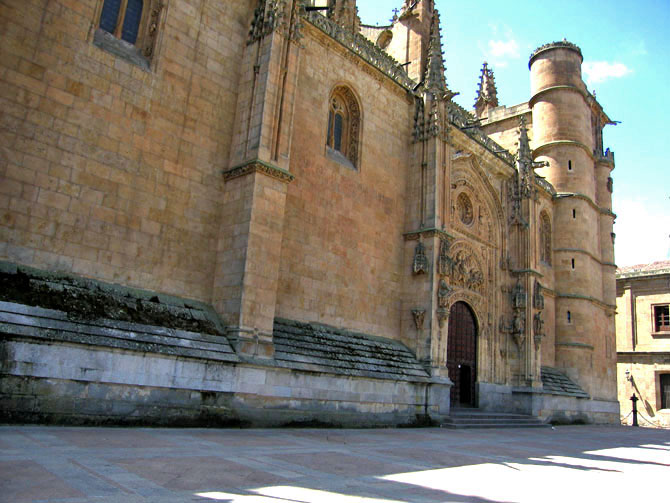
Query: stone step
[[473, 418], [492, 425]]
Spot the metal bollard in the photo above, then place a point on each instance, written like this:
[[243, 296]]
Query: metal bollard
[[634, 399]]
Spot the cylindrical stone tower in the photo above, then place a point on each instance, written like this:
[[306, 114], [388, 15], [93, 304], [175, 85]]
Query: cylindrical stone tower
[[563, 136]]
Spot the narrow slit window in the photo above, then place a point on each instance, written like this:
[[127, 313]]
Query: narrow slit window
[[569, 165], [574, 213], [573, 263], [569, 317]]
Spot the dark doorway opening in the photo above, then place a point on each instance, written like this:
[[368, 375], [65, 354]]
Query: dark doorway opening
[[462, 355]]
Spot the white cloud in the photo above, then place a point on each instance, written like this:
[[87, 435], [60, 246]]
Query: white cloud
[[601, 71], [642, 232], [500, 49]]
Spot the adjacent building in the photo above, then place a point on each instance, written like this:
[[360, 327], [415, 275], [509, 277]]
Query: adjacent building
[[643, 341]]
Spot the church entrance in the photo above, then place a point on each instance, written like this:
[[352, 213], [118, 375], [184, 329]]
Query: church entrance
[[462, 354]]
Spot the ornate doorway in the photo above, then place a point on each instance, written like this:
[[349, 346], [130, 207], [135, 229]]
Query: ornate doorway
[[462, 354]]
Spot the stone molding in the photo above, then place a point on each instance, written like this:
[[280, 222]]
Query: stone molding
[[579, 195], [258, 166], [427, 233], [563, 143]]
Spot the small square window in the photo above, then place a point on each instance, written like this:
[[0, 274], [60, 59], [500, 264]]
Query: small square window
[[662, 318]]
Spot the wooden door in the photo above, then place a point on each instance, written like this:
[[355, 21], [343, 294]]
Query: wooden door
[[462, 354]]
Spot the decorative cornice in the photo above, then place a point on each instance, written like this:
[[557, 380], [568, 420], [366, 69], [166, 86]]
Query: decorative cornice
[[258, 166], [563, 44], [427, 233], [578, 195], [583, 252], [362, 47], [593, 300], [527, 271], [579, 345], [563, 143]]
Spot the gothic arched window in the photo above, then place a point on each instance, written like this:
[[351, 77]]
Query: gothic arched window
[[545, 238], [344, 122]]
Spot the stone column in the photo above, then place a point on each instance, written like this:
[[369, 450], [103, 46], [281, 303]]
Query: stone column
[[249, 248]]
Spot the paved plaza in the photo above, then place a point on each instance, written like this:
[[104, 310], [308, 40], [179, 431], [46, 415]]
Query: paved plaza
[[571, 463]]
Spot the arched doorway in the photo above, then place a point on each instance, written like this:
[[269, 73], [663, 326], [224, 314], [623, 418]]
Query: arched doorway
[[462, 354]]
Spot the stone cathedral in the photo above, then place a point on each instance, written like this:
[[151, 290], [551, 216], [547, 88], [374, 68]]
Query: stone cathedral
[[267, 212]]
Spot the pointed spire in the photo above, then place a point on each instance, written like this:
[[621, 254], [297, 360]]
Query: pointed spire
[[487, 94], [434, 78], [524, 144]]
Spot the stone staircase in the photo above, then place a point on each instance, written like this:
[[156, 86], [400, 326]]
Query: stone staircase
[[475, 418]]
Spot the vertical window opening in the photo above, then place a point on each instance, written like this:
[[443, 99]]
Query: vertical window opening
[[569, 165], [665, 391], [337, 133], [131, 23], [573, 263], [110, 15], [662, 318], [574, 213], [569, 317]]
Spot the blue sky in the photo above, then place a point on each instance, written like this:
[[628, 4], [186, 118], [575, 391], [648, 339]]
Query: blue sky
[[626, 61]]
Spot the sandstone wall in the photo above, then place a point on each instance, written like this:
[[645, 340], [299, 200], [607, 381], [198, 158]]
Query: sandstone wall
[[342, 248], [109, 170]]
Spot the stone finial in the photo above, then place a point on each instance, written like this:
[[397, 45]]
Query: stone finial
[[345, 13], [524, 153], [487, 94], [434, 78]]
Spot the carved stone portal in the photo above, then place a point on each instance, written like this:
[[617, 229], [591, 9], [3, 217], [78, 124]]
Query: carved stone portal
[[465, 271]]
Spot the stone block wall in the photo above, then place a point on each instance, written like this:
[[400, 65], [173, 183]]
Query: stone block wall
[[342, 250], [109, 170]]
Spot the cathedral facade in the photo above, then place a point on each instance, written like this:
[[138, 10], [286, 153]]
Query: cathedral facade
[[267, 212]]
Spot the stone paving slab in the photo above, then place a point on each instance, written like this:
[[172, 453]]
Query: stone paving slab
[[432, 465]]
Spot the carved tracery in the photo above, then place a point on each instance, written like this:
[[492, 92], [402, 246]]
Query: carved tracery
[[344, 123]]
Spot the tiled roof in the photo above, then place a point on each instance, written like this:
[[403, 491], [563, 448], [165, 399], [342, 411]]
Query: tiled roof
[[321, 348], [556, 382], [660, 267]]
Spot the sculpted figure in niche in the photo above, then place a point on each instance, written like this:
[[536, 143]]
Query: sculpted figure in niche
[[420, 264], [465, 211], [538, 324], [518, 296], [442, 293]]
